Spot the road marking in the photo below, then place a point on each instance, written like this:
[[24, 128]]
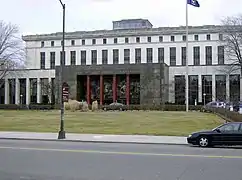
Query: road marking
[[122, 153]]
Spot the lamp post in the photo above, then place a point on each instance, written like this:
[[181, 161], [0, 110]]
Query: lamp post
[[62, 134]]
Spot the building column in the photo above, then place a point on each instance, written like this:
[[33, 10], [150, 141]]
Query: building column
[[200, 89], [227, 88], [88, 90], [39, 94], [101, 90], [127, 89], [6, 86], [240, 88], [213, 88], [114, 88], [50, 90], [17, 91], [27, 91]]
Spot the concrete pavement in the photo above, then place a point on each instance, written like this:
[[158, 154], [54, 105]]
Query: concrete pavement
[[43, 160], [141, 139]]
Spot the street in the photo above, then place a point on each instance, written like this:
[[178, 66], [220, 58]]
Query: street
[[39, 160]]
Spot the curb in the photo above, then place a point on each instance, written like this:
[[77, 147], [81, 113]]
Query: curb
[[86, 141]]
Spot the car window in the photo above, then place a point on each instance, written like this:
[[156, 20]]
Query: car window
[[231, 127]]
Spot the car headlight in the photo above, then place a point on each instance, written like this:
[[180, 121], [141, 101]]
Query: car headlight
[[190, 135]]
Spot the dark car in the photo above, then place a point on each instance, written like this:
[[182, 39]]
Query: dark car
[[226, 134]]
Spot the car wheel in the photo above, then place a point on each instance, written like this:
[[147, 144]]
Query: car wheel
[[120, 109], [203, 141]]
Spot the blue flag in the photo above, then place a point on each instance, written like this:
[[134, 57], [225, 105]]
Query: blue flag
[[193, 3]]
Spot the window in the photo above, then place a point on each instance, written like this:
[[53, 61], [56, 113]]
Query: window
[[180, 89], [220, 55], [73, 42], [52, 60], [83, 57], [184, 55], [220, 87], [138, 55], [64, 60], [138, 39], [104, 41], [207, 88], [234, 88], [221, 37], [94, 56], [126, 40], [172, 38], [208, 37], [230, 128], [160, 55], [193, 89], [160, 38], [209, 55], [52, 43], [73, 57], [184, 37], [115, 40], [196, 55], [42, 43], [196, 37], [42, 60], [115, 56], [83, 42], [93, 41], [149, 55], [126, 56], [172, 56], [148, 39], [104, 56]]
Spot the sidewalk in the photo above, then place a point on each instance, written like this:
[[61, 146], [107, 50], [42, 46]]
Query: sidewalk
[[139, 139]]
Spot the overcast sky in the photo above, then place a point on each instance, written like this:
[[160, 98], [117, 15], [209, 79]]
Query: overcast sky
[[45, 16]]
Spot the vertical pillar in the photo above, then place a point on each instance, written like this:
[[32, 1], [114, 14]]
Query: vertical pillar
[[114, 88], [200, 89], [127, 89], [213, 88], [17, 91], [6, 101], [39, 94], [49, 90], [227, 89], [88, 90], [101, 89], [27, 91], [240, 88]]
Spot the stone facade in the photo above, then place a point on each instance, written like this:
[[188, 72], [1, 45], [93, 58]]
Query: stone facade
[[153, 78]]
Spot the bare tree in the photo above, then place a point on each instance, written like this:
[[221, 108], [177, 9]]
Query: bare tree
[[12, 53], [231, 32]]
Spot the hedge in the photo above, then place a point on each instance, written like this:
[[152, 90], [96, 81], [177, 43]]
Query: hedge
[[166, 107], [226, 114]]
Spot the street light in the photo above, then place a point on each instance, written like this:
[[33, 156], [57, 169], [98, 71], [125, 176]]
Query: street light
[[62, 134]]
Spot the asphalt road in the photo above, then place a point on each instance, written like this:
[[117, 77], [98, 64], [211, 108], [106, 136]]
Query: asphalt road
[[38, 160]]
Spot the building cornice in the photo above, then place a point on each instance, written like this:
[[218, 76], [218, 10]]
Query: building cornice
[[126, 32]]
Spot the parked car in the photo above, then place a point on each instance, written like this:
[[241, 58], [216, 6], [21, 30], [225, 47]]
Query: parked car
[[226, 134], [115, 107]]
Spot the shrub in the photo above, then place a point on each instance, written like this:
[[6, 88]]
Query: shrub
[[226, 114]]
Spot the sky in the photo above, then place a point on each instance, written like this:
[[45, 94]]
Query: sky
[[45, 16]]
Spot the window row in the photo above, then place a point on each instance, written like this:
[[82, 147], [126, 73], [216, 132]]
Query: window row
[[127, 56], [207, 89], [149, 39]]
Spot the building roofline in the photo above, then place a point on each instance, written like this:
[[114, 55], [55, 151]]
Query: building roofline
[[125, 32]]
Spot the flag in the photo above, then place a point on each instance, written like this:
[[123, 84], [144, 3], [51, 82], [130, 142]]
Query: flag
[[193, 3]]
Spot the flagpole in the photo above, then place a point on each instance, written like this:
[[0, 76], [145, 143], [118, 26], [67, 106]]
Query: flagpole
[[186, 76]]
